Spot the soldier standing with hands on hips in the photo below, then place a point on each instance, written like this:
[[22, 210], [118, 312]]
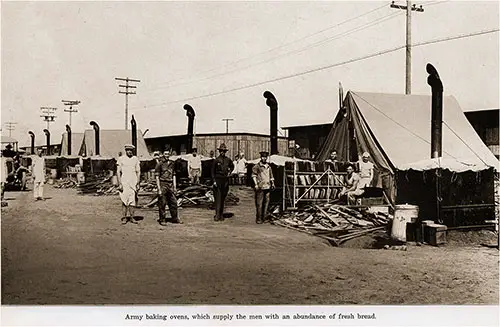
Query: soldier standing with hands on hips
[[263, 179], [221, 170]]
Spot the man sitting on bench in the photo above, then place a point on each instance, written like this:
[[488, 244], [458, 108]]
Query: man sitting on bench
[[353, 188]]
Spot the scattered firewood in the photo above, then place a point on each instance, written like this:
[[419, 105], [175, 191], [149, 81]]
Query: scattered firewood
[[332, 222]]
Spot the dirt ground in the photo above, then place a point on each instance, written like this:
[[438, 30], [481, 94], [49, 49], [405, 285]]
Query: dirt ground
[[72, 249]]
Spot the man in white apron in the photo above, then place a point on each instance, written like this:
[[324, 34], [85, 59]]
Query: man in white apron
[[129, 175], [365, 171], [38, 172]]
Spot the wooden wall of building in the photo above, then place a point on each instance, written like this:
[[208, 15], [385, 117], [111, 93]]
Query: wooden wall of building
[[486, 122], [249, 144], [309, 138]]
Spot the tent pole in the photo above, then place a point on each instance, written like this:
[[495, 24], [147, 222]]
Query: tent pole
[[348, 156]]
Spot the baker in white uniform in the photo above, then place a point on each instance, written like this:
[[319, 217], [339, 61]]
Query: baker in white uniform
[[129, 175]]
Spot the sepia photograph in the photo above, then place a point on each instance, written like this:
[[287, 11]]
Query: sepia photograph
[[249, 153]]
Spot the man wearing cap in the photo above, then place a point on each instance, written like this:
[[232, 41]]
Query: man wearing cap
[[221, 170], [129, 175], [194, 167], [365, 171], [165, 182], [262, 176]]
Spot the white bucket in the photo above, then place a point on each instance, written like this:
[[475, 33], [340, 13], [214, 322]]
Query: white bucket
[[403, 214]]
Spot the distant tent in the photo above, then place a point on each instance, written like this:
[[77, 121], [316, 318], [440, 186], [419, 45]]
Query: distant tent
[[396, 130], [76, 143], [111, 143]]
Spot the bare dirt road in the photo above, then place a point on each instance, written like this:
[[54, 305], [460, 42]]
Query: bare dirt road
[[72, 249]]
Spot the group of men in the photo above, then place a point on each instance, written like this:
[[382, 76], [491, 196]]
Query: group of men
[[128, 172], [355, 183]]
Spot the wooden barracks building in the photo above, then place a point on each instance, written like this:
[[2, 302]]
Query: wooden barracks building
[[250, 144]]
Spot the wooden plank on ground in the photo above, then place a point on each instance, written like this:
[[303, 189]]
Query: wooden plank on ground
[[326, 215]]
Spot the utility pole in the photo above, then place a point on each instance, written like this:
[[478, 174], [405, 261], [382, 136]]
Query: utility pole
[[10, 127], [70, 103], [126, 87], [48, 115], [227, 120], [409, 8]]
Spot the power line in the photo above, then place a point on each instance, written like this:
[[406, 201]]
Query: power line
[[433, 3], [313, 45], [10, 127], [127, 86], [280, 46], [70, 104], [48, 115], [282, 78], [227, 120], [322, 68], [408, 8], [449, 38]]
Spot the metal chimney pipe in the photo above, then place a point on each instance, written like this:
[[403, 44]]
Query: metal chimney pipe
[[272, 103], [32, 141], [437, 111], [97, 143], [190, 130], [68, 130], [133, 123], [47, 134]]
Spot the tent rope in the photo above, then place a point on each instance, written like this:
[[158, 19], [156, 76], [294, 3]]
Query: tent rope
[[404, 127], [451, 129]]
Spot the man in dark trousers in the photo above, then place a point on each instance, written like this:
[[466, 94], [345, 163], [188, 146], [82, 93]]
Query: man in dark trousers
[[221, 170], [165, 181], [263, 179]]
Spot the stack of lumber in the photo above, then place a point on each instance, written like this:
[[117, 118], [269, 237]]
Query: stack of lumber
[[198, 196], [98, 185], [335, 223], [65, 183], [148, 187], [201, 195]]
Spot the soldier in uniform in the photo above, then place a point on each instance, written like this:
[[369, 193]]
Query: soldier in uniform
[[263, 179], [165, 181], [221, 170]]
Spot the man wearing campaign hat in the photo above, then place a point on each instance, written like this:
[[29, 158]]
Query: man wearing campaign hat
[[221, 170], [129, 175], [263, 180], [365, 170]]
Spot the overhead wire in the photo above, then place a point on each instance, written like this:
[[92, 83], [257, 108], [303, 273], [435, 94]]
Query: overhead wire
[[449, 38], [280, 78], [465, 143], [397, 123], [322, 68], [316, 44], [231, 63]]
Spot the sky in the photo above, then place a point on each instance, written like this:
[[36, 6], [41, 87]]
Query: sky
[[183, 51]]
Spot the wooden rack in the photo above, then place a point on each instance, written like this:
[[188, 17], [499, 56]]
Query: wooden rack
[[309, 186]]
